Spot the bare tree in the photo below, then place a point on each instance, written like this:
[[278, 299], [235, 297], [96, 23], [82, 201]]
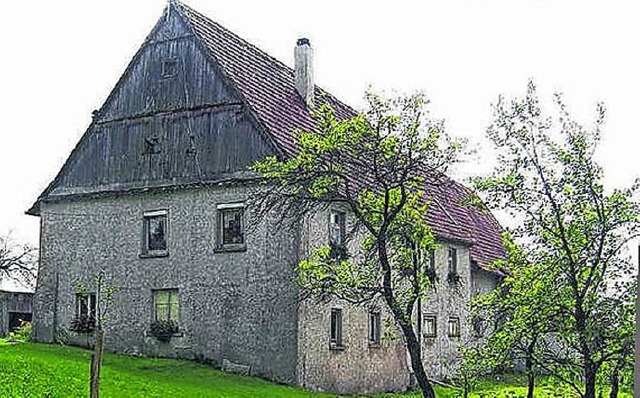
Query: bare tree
[[18, 262]]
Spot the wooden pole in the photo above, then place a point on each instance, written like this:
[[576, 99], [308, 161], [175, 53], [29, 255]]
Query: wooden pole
[[96, 362]]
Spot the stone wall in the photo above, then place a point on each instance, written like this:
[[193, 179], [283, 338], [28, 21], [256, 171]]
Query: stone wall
[[448, 300], [238, 306], [358, 367]]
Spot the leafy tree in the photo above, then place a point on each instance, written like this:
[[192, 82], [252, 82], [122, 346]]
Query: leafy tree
[[524, 312], [574, 231], [379, 164], [617, 313], [17, 262]]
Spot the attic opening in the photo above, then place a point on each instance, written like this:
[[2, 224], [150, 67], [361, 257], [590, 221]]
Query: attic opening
[[169, 67]]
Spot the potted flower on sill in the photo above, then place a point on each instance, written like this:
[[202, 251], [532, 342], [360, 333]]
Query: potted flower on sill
[[163, 330], [83, 324]]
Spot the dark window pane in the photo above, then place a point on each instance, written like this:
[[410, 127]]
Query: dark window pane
[[169, 67], [232, 228], [453, 261], [430, 326], [337, 228], [156, 233], [374, 327], [336, 327]]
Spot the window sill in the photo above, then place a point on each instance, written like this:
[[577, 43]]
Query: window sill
[[430, 336], [152, 254], [231, 248], [374, 345], [454, 337], [336, 347]]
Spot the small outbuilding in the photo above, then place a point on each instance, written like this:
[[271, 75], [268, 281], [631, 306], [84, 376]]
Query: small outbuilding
[[15, 308]]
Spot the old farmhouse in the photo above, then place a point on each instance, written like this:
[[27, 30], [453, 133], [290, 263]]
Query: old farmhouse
[[154, 196]]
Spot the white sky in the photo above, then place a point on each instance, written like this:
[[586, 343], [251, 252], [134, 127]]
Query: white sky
[[60, 59]]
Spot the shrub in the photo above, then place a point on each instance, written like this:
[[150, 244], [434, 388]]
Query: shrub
[[83, 324], [163, 330], [23, 333]]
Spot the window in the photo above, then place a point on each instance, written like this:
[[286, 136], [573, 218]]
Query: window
[[374, 327], [86, 305], [430, 326], [454, 326], [453, 261], [165, 306], [337, 228], [430, 261], [155, 233], [169, 67], [231, 226], [336, 328], [479, 326], [85, 316]]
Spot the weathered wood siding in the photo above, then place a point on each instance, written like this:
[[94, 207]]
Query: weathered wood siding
[[155, 130], [20, 302]]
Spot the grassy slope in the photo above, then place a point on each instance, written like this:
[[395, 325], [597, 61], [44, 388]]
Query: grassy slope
[[37, 370]]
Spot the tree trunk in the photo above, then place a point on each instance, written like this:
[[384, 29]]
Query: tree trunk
[[96, 361], [413, 346], [615, 384], [531, 385], [589, 380], [416, 361], [531, 379]]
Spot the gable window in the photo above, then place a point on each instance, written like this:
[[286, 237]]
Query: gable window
[[231, 234], [85, 315], [454, 326], [337, 228], [374, 327], [169, 67], [165, 306], [430, 326], [336, 328], [155, 233]]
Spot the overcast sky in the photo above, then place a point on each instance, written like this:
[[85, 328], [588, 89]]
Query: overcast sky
[[60, 59]]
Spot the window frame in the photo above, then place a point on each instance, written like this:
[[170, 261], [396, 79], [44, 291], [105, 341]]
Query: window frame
[[433, 319], [154, 304], [456, 330], [227, 208], [452, 261], [335, 335], [164, 73], [375, 327], [91, 304], [147, 216], [342, 226], [478, 325]]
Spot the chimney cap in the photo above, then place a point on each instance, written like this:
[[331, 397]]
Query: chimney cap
[[302, 41]]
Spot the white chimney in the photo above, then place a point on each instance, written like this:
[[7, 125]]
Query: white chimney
[[304, 71]]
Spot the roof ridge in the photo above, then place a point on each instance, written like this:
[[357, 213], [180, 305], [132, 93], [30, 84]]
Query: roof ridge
[[231, 33]]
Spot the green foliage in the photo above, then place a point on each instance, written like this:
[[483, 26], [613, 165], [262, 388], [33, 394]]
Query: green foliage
[[23, 334], [570, 234], [376, 164], [38, 370]]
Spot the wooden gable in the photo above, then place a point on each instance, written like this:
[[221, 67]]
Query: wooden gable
[[172, 119]]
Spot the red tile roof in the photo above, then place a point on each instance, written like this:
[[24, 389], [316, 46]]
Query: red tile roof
[[268, 87]]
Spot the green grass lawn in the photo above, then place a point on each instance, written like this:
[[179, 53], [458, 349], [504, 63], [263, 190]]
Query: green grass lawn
[[40, 370]]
